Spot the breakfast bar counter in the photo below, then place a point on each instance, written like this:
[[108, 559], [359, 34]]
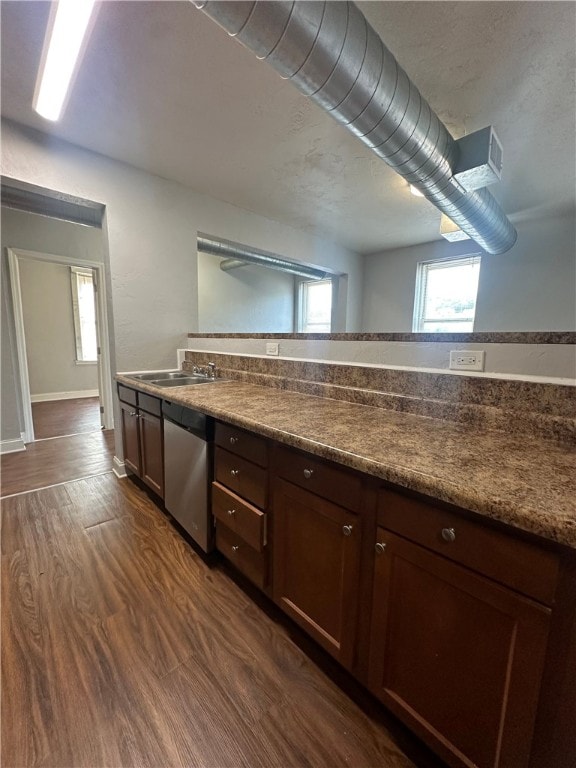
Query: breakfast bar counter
[[526, 482]]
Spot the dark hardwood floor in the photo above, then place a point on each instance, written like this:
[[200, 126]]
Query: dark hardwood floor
[[121, 647], [56, 418], [48, 462]]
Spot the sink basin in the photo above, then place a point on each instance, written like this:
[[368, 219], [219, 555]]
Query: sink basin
[[156, 375], [171, 378], [182, 381]]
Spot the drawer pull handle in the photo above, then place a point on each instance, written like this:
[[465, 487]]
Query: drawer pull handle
[[235, 548], [380, 548], [233, 440], [231, 512], [308, 473], [347, 530], [234, 472], [449, 534]]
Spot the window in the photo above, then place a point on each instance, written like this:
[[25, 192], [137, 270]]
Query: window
[[84, 313], [445, 298], [315, 306]]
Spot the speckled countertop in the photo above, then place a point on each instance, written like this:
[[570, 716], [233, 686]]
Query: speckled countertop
[[528, 483]]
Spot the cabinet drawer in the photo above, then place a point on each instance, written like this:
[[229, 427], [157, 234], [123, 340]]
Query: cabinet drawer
[[249, 562], [247, 479], [322, 478], [243, 519], [126, 395], [523, 566], [150, 404], [243, 443]]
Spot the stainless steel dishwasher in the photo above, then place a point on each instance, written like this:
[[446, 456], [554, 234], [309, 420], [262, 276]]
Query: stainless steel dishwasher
[[188, 436]]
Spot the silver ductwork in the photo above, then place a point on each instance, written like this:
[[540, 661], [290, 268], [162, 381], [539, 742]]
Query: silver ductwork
[[331, 54], [236, 254]]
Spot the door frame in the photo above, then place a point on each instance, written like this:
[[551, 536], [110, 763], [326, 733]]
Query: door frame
[[104, 368]]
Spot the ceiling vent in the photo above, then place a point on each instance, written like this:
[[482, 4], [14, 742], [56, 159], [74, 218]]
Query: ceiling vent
[[480, 159], [451, 231], [332, 55]]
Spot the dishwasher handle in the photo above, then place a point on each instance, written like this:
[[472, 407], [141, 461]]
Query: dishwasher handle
[[196, 422]]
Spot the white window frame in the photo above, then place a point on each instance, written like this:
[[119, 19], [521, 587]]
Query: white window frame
[[422, 272], [301, 303], [76, 272]]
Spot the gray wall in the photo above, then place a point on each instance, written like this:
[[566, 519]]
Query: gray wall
[[250, 299], [533, 287], [530, 288], [11, 419], [49, 331], [151, 231]]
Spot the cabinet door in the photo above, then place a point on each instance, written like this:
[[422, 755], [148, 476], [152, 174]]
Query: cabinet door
[[316, 566], [130, 439], [456, 656], [151, 452]]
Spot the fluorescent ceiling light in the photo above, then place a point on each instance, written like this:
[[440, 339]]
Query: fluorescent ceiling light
[[62, 47], [416, 192]]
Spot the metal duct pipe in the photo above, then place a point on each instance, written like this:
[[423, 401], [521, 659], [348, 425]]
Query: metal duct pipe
[[245, 253], [227, 265], [331, 54]]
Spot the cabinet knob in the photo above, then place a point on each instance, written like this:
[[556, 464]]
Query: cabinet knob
[[448, 534], [233, 440], [235, 548], [234, 472], [133, 413], [308, 473], [231, 512], [380, 548], [346, 530]]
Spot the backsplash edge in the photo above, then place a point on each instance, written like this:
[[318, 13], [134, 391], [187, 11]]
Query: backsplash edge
[[495, 404]]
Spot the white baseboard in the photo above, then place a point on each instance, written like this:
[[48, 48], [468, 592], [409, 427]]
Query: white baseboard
[[12, 446], [64, 395], [119, 468]]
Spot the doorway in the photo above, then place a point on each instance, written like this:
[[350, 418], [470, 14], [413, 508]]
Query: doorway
[[51, 413]]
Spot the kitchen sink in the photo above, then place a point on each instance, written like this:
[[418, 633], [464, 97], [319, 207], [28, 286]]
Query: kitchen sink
[[157, 375], [172, 378], [183, 381]]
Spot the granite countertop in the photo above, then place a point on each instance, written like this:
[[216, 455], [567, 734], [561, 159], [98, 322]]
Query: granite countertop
[[526, 482]]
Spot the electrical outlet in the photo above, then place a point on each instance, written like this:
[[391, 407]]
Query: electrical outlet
[[467, 360], [272, 348]]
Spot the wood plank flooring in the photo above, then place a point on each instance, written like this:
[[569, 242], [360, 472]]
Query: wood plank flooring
[[48, 462], [121, 647], [56, 418]]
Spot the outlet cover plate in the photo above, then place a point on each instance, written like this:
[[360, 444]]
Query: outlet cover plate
[[272, 348], [467, 360]]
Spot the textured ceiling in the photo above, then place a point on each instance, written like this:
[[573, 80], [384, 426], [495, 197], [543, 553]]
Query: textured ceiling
[[163, 88]]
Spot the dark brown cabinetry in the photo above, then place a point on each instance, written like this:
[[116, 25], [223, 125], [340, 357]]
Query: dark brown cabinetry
[[142, 437], [456, 654], [239, 500], [463, 628], [317, 550]]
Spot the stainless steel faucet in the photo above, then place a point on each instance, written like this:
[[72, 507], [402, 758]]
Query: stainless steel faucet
[[208, 370]]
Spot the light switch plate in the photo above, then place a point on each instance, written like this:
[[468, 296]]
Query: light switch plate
[[272, 348], [467, 360]]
